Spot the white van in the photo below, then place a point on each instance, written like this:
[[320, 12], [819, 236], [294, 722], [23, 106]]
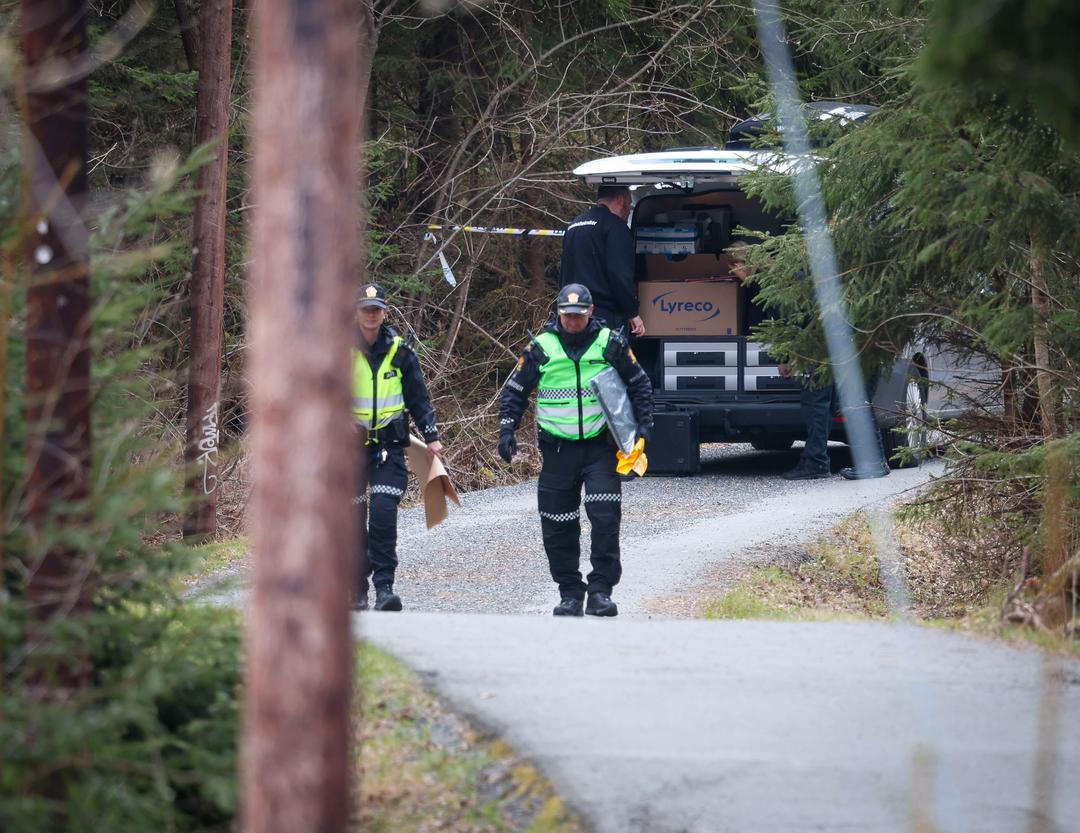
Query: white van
[[698, 315]]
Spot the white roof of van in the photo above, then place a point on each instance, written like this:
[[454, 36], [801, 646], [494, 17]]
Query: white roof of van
[[669, 165]]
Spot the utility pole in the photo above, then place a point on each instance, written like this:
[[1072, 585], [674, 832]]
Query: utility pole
[[296, 763], [54, 45], [207, 292]]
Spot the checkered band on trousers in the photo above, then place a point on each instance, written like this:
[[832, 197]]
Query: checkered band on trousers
[[600, 498], [561, 517], [379, 489]]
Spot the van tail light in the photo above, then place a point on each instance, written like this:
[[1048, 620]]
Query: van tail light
[[839, 418]]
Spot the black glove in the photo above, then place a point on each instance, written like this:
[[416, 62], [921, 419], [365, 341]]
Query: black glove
[[507, 445], [645, 433]]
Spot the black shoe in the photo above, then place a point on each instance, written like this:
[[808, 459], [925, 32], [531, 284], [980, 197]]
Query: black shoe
[[360, 602], [385, 599], [852, 473], [805, 472], [600, 604], [569, 606]]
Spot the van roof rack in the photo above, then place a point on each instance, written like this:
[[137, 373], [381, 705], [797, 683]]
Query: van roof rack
[[699, 147]]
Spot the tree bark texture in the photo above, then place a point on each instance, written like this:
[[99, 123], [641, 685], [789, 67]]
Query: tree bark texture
[[208, 268], [296, 764], [189, 34], [58, 297], [1043, 380]]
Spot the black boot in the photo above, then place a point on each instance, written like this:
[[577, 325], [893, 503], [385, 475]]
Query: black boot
[[569, 606], [880, 469], [600, 604], [361, 601], [807, 471], [385, 599]]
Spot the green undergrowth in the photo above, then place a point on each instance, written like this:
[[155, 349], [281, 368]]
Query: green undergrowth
[[420, 767]]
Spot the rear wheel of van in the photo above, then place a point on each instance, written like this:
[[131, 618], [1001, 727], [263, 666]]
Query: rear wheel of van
[[772, 443], [909, 435]]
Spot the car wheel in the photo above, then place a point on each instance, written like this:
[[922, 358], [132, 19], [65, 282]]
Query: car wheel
[[909, 436], [772, 443]]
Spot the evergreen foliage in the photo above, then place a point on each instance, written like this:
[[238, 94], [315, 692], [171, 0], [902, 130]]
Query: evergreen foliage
[[150, 743], [954, 213]]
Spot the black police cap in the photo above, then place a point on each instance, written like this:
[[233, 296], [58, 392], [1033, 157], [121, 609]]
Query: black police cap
[[574, 298], [371, 295]]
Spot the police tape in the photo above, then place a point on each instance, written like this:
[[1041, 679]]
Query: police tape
[[448, 273], [526, 232]]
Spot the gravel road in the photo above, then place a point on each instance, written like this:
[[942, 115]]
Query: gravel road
[[680, 536], [677, 531]]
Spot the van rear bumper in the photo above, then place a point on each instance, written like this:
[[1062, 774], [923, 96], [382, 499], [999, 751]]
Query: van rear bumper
[[742, 418]]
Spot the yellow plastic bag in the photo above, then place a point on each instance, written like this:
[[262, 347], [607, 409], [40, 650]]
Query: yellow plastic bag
[[635, 461]]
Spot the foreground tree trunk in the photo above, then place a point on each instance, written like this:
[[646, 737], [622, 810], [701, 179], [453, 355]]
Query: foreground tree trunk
[[208, 268], [296, 764], [58, 306]]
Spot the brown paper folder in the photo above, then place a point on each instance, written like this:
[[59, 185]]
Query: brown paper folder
[[434, 482]]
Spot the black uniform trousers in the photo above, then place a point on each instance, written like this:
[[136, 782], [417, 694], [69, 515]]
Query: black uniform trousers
[[567, 465], [387, 475], [612, 320]]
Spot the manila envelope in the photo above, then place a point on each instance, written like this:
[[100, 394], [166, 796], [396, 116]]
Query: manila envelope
[[434, 482]]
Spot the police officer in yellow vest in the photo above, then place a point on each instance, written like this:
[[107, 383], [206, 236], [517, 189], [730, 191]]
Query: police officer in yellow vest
[[575, 444], [387, 385]]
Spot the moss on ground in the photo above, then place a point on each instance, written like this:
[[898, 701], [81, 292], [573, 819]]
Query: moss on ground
[[422, 768]]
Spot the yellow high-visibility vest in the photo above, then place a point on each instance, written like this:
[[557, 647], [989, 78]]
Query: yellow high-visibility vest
[[378, 395]]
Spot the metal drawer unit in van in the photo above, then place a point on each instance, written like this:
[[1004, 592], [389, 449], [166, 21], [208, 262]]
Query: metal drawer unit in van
[[701, 365], [760, 375]]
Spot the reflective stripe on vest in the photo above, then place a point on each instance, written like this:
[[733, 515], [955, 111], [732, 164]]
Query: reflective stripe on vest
[[377, 397], [566, 406]]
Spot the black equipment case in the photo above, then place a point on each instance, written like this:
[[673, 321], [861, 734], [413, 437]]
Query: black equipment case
[[674, 448]]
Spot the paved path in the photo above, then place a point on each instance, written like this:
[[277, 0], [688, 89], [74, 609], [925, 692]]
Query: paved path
[[708, 727], [649, 724]]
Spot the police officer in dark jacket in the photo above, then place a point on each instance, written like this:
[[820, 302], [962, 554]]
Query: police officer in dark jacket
[[576, 446], [598, 251], [388, 386]]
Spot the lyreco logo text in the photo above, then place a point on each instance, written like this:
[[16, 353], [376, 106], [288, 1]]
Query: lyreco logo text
[[670, 306]]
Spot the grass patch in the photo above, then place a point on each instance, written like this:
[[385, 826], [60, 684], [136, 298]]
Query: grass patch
[[837, 580], [421, 767], [217, 556]]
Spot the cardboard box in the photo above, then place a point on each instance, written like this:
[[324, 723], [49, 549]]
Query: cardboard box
[[666, 239], [691, 308], [692, 267]]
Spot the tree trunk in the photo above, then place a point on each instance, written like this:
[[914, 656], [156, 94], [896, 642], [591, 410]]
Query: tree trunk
[[208, 269], [186, 17], [296, 764], [58, 306], [1043, 379]]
